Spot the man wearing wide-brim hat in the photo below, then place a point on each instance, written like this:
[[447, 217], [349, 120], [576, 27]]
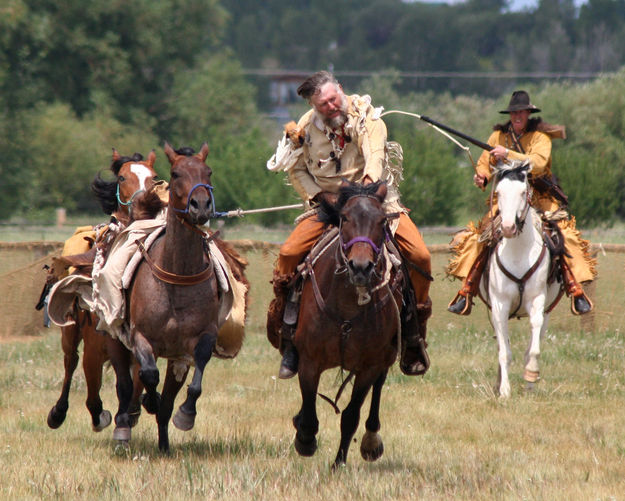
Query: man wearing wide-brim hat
[[523, 138]]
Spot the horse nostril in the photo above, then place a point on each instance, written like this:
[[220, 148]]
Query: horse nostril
[[193, 203]]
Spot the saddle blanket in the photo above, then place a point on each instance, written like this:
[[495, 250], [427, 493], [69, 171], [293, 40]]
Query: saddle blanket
[[104, 292]]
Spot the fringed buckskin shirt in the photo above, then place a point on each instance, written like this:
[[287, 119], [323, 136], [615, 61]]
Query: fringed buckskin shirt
[[359, 146], [537, 147]]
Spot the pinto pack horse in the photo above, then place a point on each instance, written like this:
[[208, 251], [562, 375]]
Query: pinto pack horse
[[519, 279], [133, 178], [173, 304], [349, 316]]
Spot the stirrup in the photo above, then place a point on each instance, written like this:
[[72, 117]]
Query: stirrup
[[461, 304], [581, 304]]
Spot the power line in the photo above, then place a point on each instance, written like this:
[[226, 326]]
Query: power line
[[535, 75]]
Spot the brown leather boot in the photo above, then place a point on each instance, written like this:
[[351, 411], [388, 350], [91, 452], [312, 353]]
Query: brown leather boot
[[463, 302], [414, 360], [280, 335], [580, 302]]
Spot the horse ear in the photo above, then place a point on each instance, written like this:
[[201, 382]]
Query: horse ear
[[169, 151], [116, 155], [381, 192], [151, 159], [203, 152]]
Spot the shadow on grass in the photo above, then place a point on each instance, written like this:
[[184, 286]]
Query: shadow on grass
[[237, 447]]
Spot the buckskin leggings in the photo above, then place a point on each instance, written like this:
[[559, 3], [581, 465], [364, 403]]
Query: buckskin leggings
[[408, 237]]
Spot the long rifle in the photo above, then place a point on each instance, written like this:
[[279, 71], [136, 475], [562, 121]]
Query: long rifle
[[476, 142]]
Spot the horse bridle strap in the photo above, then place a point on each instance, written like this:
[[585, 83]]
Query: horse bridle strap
[[521, 281], [173, 278]]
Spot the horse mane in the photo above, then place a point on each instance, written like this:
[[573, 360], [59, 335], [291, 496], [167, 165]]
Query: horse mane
[[329, 213], [516, 172], [187, 151], [117, 164], [105, 193], [147, 206]]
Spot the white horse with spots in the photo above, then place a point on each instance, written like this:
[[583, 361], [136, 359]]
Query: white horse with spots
[[517, 280]]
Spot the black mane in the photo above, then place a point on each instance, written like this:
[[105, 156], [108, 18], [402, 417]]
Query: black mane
[[516, 174], [330, 213], [187, 151]]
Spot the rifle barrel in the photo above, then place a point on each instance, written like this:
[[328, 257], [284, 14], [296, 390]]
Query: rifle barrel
[[476, 142]]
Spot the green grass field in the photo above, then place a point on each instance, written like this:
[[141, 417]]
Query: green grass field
[[446, 435]]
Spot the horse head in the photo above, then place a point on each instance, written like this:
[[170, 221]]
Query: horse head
[[190, 191], [513, 196], [362, 224], [133, 177]]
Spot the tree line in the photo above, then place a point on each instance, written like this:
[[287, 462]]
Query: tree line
[[77, 79]]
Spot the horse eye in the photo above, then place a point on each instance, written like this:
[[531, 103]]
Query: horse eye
[[121, 179]]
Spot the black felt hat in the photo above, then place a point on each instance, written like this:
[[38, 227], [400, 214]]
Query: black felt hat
[[520, 100]]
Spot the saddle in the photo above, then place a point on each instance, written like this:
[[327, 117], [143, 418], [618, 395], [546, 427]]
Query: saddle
[[395, 262]]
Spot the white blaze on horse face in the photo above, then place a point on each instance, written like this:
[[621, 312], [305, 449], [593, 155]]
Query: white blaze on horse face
[[142, 173], [511, 200]]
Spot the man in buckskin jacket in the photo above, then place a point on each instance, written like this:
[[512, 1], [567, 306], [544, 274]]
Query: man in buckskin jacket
[[340, 137], [523, 138]]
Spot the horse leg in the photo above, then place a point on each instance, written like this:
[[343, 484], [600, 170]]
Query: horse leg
[[185, 417], [148, 373], [371, 446], [305, 421], [120, 359], [350, 417], [500, 324], [70, 339], [94, 356], [538, 324], [134, 410], [171, 387]]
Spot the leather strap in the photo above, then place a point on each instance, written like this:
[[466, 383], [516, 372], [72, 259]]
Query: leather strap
[[173, 278], [521, 281]]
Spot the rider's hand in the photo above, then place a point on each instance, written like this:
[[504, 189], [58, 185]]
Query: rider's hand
[[499, 153], [479, 180]]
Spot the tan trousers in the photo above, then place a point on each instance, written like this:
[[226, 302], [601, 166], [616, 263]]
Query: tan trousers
[[408, 237], [466, 247]]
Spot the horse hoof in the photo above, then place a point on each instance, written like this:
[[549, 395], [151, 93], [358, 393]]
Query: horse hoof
[[151, 404], [305, 449], [371, 446], [55, 418], [121, 434], [337, 465], [105, 420], [184, 421], [531, 376]]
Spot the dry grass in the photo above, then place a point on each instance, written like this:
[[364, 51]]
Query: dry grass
[[447, 436]]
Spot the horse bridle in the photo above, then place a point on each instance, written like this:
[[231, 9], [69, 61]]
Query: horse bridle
[[132, 197], [208, 188]]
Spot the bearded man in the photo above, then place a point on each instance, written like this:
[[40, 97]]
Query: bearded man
[[341, 137]]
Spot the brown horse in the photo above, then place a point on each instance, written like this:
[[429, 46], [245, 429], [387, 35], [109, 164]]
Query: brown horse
[[133, 176], [173, 304], [349, 316]]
